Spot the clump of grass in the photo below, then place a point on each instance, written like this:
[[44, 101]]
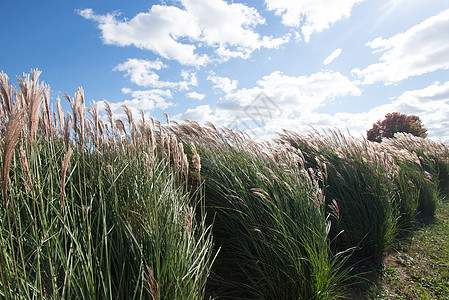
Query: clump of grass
[[359, 183], [430, 161], [380, 189], [97, 215], [270, 221]]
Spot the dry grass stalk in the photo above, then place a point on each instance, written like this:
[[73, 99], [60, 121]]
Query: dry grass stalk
[[184, 162], [81, 110], [131, 125], [260, 192], [46, 113], [23, 157], [167, 119], [144, 128], [74, 111], [109, 114], [60, 115], [31, 94], [101, 130], [151, 284], [188, 218], [66, 131], [55, 123], [6, 94], [334, 209], [94, 114], [64, 166], [121, 127], [12, 134], [196, 161]]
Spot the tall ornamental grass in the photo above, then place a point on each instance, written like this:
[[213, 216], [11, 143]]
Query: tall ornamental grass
[[417, 188], [89, 212], [378, 189], [270, 220], [432, 157], [359, 183], [105, 208]]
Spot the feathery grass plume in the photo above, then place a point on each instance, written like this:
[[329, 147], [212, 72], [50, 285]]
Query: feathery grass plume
[[101, 130], [60, 115], [167, 119], [74, 107], [184, 162], [122, 138], [13, 128], [20, 100], [54, 121], [78, 111], [81, 110], [109, 114], [66, 130], [196, 160], [153, 137], [46, 113], [146, 131], [93, 111], [131, 125], [31, 92], [142, 123], [121, 127], [144, 127], [90, 131], [130, 117], [6, 94]]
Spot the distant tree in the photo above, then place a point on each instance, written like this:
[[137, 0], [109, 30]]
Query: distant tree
[[396, 122]]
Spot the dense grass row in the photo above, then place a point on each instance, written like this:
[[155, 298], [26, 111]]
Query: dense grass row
[[83, 217], [104, 208]]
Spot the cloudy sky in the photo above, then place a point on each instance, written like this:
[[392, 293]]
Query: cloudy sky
[[259, 66]]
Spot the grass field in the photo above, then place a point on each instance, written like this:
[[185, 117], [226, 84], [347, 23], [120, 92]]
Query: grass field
[[98, 207]]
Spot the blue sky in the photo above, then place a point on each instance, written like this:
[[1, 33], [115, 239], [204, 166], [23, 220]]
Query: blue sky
[[259, 66]]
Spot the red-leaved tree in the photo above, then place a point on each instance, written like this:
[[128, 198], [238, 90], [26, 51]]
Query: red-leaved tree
[[396, 122]]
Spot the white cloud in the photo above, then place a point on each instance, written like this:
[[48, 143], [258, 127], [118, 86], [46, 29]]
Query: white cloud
[[145, 100], [157, 96], [178, 33], [278, 100], [332, 56], [306, 93], [225, 84], [157, 30], [195, 95], [311, 15], [430, 104], [200, 114], [141, 73], [421, 49]]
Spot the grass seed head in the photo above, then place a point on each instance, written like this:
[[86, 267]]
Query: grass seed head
[[12, 134]]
